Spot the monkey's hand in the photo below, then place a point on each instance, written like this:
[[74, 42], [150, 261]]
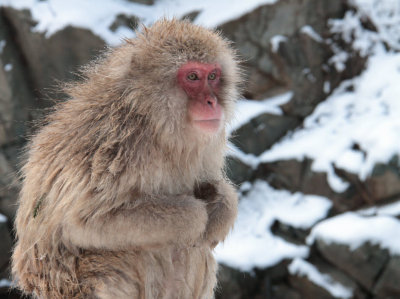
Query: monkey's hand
[[147, 222], [221, 199]]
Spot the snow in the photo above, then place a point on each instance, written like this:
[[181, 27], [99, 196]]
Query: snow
[[275, 41], [5, 283], [327, 87], [302, 268], [386, 17], [251, 243], [54, 15], [339, 60], [389, 210], [8, 67], [353, 230], [3, 218], [2, 45], [308, 30], [354, 129]]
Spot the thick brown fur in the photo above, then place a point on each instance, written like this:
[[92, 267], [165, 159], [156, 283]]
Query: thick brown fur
[[120, 197]]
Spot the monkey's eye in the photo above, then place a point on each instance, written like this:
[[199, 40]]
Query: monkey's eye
[[212, 76], [193, 76]]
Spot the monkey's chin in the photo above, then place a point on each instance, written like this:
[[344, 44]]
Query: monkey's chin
[[209, 126]]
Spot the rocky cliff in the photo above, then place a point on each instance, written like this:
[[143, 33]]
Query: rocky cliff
[[316, 53]]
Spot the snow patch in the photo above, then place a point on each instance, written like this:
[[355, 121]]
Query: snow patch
[[388, 210], [8, 67], [5, 283], [327, 87], [354, 230], [2, 45], [275, 42], [3, 218], [251, 243], [308, 30]]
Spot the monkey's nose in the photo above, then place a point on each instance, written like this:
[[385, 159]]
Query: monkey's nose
[[211, 101]]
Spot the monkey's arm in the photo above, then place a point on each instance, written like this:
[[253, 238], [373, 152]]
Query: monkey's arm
[[221, 199], [146, 222]]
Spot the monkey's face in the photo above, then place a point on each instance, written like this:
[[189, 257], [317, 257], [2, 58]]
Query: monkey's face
[[201, 82]]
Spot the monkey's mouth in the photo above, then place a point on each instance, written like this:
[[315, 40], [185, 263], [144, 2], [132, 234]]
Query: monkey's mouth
[[208, 125]]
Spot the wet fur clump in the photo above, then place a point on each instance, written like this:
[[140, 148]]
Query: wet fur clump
[[120, 197]]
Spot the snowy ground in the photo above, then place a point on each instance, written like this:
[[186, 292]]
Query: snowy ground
[[366, 115]]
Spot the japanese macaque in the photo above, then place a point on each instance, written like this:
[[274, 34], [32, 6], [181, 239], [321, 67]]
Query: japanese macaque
[[124, 194]]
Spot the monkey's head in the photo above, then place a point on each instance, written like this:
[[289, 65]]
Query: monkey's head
[[192, 75]]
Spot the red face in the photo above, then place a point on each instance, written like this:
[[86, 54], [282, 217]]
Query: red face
[[201, 82]]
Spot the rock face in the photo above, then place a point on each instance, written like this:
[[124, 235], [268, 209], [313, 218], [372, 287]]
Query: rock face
[[281, 54], [285, 46], [261, 132]]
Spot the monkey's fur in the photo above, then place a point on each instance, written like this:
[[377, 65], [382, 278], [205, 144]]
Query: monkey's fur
[[120, 198]]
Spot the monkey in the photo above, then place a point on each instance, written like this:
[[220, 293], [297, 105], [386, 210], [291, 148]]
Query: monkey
[[123, 190]]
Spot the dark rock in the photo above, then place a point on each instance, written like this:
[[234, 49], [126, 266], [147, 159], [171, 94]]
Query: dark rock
[[16, 97], [307, 288], [388, 286], [363, 264], [257, 285], [10, 293], [284, 69], [191, 16], [123, 20], [234, 284], [289, 233], [384, 181], [294, 175], [237, 171], [8, 187], [54, 58], [282, 291], [5, 244], [261, 132], [147, 2]]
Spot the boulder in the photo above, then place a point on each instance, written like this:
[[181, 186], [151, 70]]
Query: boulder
[[261, 132], [234, 284], [384, 181], [280, 55], [52, 59], [295, 175], [364, 264], [237, 171], [387, 285]]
